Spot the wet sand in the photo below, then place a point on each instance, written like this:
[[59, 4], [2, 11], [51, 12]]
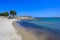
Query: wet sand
[[23, 33]]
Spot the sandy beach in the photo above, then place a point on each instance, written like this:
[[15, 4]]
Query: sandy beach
[[7, 31], [10, 31]]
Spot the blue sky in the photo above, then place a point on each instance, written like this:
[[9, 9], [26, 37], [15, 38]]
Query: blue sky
[[35, 8]]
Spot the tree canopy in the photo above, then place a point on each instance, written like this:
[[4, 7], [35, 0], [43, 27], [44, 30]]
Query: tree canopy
[[5, 14], [13, 13]]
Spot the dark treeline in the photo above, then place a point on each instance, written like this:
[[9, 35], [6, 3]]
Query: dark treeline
[[12, 13], [4, 14]]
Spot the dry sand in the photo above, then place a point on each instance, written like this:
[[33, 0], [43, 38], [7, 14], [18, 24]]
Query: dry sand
[[7, 31]]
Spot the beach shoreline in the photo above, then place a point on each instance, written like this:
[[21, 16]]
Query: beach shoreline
[[30, 33], [23, 33], [11, 30]]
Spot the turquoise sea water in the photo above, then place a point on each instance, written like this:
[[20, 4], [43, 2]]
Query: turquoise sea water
[[50, 24]]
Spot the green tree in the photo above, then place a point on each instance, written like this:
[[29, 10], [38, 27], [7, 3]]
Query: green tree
[[13, 13], [5, 14]]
